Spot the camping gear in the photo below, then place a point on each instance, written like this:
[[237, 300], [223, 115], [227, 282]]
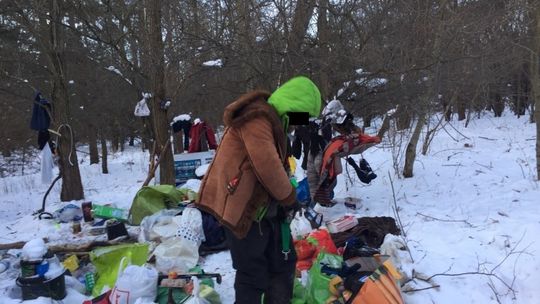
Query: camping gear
[[214, 233], [35, 287], [134, 282], [116, 229], [364, 171], [342, 224], [151, 199], [108, 212], [108, 259]]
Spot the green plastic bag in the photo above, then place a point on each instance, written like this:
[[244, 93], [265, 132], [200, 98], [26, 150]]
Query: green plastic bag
[[317, 291], [107, 261], [299, 293], [152, 199]]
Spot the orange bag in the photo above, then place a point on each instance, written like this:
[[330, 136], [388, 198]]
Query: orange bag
[[380, 288]]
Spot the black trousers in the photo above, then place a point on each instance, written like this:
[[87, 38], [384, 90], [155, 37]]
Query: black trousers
[[261, 267]]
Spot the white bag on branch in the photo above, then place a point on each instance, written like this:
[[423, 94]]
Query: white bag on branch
[[141, 109], [135, 282]]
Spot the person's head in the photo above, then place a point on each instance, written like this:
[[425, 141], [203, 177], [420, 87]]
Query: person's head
[[299, 96]]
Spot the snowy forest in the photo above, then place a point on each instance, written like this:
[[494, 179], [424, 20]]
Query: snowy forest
[[449, 86]]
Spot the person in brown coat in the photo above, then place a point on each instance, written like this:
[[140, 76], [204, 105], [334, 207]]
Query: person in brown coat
[[247, 188]]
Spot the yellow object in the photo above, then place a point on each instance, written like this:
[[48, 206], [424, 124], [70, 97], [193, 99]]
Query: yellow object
[[333, 285], [292, 164], [71, 263]]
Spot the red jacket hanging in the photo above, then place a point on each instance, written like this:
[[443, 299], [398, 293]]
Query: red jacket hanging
[[202, 138]]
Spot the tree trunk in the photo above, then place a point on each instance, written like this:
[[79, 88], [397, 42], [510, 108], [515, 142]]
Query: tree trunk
[[69, 167], [159, 115], [324, 37], [535, 84], [302, 14], [410, 154], [92, 143], [104, 165]]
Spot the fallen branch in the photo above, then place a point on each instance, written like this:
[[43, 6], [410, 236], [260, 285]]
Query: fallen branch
[[487, 138], [71, 248], [443, 220], [420, 289]]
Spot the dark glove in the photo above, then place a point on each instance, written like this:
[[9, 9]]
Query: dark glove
[[287, 213]]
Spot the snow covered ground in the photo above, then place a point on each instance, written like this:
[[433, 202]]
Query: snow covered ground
[[472, 208]]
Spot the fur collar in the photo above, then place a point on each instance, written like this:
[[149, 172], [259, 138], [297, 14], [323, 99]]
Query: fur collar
[[247, 107]]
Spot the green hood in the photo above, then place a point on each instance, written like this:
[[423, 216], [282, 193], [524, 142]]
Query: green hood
[[299, 94]]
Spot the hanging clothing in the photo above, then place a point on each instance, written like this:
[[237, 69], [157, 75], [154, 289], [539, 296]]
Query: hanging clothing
[[182, 128], [46, 165], [202, 137], [40, 116]]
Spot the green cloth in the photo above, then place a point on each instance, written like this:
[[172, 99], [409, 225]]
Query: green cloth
[[299, 94], [152, 199]]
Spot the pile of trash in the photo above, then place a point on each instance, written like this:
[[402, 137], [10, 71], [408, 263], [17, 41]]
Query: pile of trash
[[346, 259], [151, 252], [147, 254]]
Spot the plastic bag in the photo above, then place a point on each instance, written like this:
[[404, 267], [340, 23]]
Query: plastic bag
[[133, 283], [322, 241], [299, 293], [300, 226], [302, 192], [158, 226], [196, 298], [68, 213], [317, 289], [176, 254], [107, 261], [141, 109]]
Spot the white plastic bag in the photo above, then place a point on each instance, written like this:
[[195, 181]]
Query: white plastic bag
[[176, 254], [196, 298], [181, 252], [135, 282], [300, 226], [141, 109], [158, 226]]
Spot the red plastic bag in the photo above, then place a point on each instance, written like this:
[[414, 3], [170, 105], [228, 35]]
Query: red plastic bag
[[102, 299], [304, 265], [322, 241], [304, 249]]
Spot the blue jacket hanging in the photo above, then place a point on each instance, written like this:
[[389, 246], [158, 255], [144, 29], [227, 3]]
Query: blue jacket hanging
[[40, 117]]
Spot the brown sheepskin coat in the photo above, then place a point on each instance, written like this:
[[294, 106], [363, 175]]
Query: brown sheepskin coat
[[247, 171]]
